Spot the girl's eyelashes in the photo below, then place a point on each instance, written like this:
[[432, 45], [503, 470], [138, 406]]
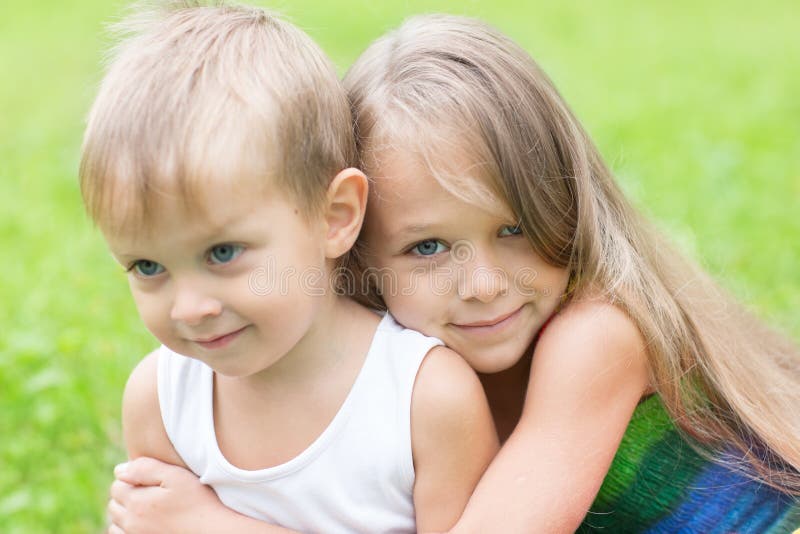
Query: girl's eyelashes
[[428, 247], [431, 247], [510, 230], [145, 268], [224, 253]]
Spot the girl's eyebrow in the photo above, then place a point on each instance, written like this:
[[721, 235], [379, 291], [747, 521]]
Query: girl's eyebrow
[[415, 229]]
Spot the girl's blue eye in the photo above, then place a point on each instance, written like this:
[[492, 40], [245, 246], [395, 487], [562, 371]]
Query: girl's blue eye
[[146, 268], [429, 247], [224, 253], [510, 230]]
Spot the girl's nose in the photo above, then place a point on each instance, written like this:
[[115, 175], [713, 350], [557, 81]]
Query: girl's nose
[[481, 279]]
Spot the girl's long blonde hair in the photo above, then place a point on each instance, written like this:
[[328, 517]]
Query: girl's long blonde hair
[[441, 83]]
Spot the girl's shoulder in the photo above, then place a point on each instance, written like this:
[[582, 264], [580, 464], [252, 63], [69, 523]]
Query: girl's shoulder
[[592, 333], [588, 374]]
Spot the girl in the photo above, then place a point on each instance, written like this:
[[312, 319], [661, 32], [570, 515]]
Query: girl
[[618, 372]]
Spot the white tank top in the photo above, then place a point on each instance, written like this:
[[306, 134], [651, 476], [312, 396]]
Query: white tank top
[[357, 476]]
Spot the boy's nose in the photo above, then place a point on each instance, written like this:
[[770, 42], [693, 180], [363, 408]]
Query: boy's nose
[[192, 307]]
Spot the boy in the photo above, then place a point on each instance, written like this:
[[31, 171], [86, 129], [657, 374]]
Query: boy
[[216, 162]]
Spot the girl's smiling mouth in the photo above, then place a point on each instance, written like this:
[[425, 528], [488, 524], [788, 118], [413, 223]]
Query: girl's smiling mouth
[[489, 326]]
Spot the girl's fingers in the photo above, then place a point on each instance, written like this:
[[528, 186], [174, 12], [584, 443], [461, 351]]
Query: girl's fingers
[[114, 529]]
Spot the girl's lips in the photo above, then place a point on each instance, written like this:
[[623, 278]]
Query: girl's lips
[[490, 326], [219, 341]]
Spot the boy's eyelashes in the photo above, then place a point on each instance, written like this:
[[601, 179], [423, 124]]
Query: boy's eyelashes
[[224, 253], [145, 268], [217, 255]]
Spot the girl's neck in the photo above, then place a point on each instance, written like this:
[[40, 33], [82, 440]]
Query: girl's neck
[[506, 394], [506, 390]]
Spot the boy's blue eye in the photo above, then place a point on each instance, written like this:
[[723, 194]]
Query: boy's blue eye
[[224, 253], [429, 247], [509, 230], [146, 268]]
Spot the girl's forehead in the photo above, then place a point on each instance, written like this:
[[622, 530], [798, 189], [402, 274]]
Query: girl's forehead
[[406, 183]]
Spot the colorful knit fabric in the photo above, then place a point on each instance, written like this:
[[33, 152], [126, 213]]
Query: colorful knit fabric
[[659, 484]]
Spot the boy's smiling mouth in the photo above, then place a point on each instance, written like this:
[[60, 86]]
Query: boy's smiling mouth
[[214, 342]]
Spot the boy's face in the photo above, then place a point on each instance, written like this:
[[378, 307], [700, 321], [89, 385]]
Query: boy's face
[[451, 270], [236, 286]]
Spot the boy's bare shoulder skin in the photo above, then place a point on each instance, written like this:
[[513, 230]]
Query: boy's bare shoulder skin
[[453, 438], [141, 415]]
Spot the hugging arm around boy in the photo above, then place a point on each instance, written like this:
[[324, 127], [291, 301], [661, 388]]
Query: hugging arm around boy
[[588, 373]]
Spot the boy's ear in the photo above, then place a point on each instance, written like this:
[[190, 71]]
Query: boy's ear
[[344, 212]]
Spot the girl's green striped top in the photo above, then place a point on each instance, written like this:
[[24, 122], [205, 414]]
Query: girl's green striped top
[[658, 483]]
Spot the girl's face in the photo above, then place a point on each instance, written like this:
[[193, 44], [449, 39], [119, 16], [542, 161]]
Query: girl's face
[[451, 270]]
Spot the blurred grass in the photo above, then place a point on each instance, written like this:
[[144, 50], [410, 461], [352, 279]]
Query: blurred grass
[[694, 104]]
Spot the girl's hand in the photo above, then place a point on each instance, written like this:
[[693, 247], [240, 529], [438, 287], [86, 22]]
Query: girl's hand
[[150, 496]]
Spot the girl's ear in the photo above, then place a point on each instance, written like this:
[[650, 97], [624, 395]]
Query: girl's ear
[[344, 211]]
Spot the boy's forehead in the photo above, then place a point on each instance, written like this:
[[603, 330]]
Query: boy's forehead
[[212, 205]]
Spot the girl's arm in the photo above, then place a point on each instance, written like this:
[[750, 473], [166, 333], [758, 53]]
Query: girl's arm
[[589, 371], [160, 496]]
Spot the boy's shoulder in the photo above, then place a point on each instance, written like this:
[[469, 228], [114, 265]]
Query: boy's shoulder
[[142, 426], [446, 388], [453, 437], [443, 382]]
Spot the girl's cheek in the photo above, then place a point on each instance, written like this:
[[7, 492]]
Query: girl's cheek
[[535, 276], [407, 309]]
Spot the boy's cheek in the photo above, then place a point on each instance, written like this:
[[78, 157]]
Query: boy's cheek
[[155, 319]]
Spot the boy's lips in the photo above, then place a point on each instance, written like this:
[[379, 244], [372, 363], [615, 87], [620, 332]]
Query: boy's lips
[[216, 341]]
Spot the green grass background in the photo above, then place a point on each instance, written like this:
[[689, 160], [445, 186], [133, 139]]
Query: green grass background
[[694, 104]]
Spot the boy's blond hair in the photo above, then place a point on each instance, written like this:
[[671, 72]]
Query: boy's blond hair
[[200, 92]]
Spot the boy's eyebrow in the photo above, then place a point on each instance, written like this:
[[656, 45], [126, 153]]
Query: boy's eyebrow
[[220, 228], [123, 256]]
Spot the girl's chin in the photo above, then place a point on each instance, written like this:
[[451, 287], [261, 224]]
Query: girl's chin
[[489, 362]]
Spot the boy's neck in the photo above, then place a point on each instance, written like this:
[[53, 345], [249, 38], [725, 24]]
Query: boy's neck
[[291, 404], [336, 336]]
